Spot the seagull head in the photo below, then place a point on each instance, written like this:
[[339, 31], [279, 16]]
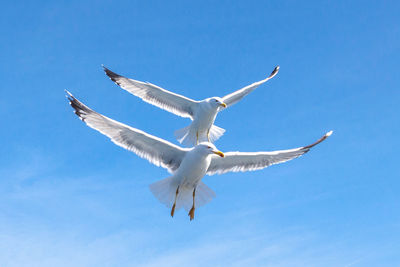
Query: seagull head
[[216, 102], [209, 149]]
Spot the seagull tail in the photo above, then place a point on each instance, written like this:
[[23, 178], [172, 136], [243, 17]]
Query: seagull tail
[[165, 189], [204, 194], [187, 136], [215, 133], [183, 135]]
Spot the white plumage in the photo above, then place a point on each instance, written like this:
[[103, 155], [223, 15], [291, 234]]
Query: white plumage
[[188, 166], [202, 113]]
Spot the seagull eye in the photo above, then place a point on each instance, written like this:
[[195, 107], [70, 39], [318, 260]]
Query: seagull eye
[[208, 147]]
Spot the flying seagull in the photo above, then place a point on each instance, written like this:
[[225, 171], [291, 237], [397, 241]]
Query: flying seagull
[[202, 113], [184, 187]]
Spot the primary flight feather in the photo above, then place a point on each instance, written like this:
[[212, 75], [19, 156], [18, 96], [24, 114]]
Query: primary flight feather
[[202, 113], [187, 165]]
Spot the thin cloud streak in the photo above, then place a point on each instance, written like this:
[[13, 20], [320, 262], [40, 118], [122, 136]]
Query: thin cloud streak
[[28, 239]]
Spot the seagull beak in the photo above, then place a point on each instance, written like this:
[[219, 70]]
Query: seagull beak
[[219, 153], [223, 105]]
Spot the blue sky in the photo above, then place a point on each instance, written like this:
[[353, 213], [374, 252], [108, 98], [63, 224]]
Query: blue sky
[[69, 197]]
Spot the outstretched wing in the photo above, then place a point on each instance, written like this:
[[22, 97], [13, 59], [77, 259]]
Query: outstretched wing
[[157, 96], [156, 150], [250, 161], [236, 96]]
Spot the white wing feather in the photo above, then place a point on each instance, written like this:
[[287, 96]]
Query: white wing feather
[[157, 96], [250, 161], [156, 150], [236, 96]]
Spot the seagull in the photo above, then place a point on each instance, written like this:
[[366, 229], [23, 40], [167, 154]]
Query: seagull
[[202, 113], [188, 166]]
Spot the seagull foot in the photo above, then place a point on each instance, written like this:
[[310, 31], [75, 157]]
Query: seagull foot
[[191, 213], [173, 210]]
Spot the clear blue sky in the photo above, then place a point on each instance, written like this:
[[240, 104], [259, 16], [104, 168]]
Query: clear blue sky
[[70, 197]]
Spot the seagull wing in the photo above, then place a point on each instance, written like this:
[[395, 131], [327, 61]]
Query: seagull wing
[[250, 161], [157, 96], [156, 150], [236, 96]]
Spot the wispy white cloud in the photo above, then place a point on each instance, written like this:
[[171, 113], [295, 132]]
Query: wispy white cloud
[[56, 220], [259, 247], [44, 247]]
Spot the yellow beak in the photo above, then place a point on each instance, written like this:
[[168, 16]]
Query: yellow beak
[[223, 105], [219, 153]]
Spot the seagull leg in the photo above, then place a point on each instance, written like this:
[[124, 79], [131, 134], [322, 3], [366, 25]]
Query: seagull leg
[[197, 138], [191, 212], [208, 135], [173, 206]]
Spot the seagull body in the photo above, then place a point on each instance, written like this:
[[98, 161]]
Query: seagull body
[[188, 166], [202, 113]]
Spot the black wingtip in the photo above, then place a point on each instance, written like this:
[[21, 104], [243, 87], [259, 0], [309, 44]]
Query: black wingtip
[[78, 107], [113, 76], [274, 72], [319, 140], [69, 96]]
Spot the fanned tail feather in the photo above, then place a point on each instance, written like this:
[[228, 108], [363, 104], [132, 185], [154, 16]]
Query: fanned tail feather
[[180, 134], [165, 189], [215, 133], [204, 194], [186, 137]]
